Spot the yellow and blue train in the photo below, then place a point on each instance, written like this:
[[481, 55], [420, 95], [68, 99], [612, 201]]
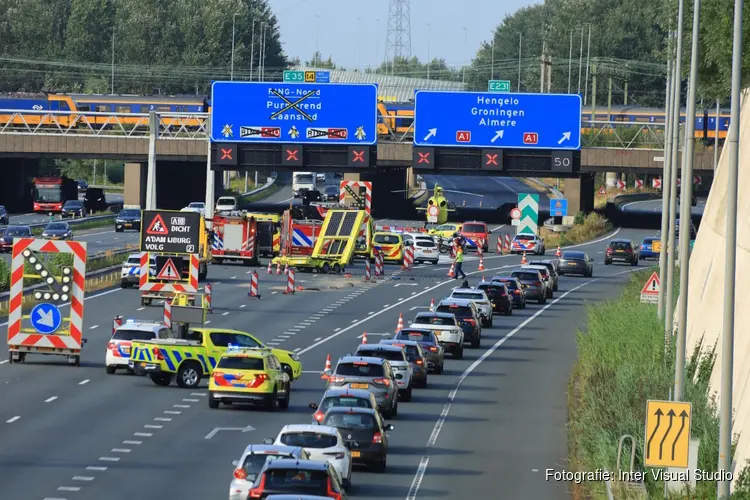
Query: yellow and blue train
[[393, 117]]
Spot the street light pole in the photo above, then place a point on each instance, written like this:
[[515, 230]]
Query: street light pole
[[520, 37], [262, 54], [686, 208], [112, 86], [231, 71], [570, 59], [580, 63], [665, 184], [588, 58], [730, 263], [492, 56], [429, 36], [252, 49], [466, 48]]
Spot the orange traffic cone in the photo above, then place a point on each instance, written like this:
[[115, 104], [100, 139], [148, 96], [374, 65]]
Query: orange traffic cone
[[278, 268], [328, 368], [400, 325], [481, 263], [432, 305], [270, 270], [364, 338], [452, 270], [558, 253], [523, 259]]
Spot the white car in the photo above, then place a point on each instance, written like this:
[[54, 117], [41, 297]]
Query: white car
[[196, 206], [252, 461], [118, 348], [321, 177], [396, 357], [130, 273], [480, 300], [323, 443], [226, 204], [446, 329], [425, 250]]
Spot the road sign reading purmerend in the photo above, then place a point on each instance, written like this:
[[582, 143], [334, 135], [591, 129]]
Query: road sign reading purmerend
[[529, 206], [491, 120], [667, 433], [308, 113], [167, 231]]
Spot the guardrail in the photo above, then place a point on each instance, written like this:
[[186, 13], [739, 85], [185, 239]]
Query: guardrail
[[74, 222]]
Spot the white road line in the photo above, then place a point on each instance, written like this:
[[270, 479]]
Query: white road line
[[49, 400], [336, 329], [421, 469], [297, 349], [242, 306], [84, 382], [12, 419], [120, 450], [132, 442], [197, 393], [140, 309], [163, 419], [190, 400], [317, 339], [109, 459], [272, 343], [181, 406], [143, 434], [300, 327], [93, 467], [386, 305], [207, 321], [172, 412], [149, 426], [68, 488], [274, 293], [55, 498], [94, 327], [83, 478], [289, 333], [371, 312], [354, 320], [226, 313], [3, 362]]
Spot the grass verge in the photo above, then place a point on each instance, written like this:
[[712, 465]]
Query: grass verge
[[586, 228], [600, 200], [622, 364], [83, 225]]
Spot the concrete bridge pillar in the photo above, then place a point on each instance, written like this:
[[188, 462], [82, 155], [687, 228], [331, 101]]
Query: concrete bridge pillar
[[580, 194], [610, 179], [135, 184]]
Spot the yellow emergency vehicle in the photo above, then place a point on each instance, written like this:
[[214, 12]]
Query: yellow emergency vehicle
[[195, 356], [249, 376], [390, 244], [446, 230]]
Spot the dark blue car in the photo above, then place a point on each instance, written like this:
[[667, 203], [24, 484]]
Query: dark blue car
[[647, 248]]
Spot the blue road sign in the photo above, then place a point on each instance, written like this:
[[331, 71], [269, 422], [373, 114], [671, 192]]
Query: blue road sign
[[492, 120], [558, 207], [303, 113], [45, 318]]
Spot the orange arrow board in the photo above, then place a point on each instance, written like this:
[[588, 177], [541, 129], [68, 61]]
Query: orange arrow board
[[650, 291]]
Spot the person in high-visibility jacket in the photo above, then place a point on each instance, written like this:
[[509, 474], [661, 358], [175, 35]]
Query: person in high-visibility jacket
[[459, 262]]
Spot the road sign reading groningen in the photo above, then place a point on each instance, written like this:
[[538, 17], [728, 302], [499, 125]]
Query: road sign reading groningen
[[529, 206], [307, 76], [667, 433], [558, 207], [491, 120], [167, 231], [498, 86], [308, 113]]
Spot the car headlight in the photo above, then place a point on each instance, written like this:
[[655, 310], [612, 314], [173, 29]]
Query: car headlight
[[294, 357], [45, 234]]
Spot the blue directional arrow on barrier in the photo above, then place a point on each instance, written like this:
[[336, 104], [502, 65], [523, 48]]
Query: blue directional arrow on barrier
[[45, 318]]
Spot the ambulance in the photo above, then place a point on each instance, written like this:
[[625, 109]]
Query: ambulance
[[390, 244], [235, 238]]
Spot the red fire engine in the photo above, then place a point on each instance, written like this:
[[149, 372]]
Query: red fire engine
[[298, 236], [234, 238]]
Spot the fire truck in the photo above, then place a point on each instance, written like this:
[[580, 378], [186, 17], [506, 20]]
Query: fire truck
[[235, 237]]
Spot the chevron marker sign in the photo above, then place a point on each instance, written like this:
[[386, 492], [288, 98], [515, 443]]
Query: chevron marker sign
[[529, 206]]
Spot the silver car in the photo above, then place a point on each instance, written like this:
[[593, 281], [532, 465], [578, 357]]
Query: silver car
[[342, 396], [397, 359], [546, 277], [533, 284], [480, 300], [252, 461], [372, 374]]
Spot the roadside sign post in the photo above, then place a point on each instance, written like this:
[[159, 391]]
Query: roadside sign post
[[498, 86], [529, 206], [650, 291], [667, 434], [558, 207], [291, 76], [515, 216]]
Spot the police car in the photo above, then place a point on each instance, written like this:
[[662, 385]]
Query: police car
[[118, 348], [131, 270]]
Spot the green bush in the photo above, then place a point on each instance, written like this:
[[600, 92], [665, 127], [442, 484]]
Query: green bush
[[579, 219]]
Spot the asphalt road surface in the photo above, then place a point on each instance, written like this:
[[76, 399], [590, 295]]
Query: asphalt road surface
[[495, 191], [33, 218], [494, 421], [654, 206]]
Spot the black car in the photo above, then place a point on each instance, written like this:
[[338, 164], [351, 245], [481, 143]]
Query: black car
[[73, 208], [364, 433], [82, 185], [499, 297], [433, 351], [515, 289], [468, 317], [4, 216], [621, 250], [331, 193], [129, 218], [287, 476], [576, 263], [6, 241], [551, 265], [95, 200], [677, 230]]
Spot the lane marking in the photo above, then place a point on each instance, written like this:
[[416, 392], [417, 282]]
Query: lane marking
[[163, 419], [272, 343], [120, 450], [132, 442], [317, 339], [93, 467], [225, 313], [109, 459], [149, 426], [12, 419], [49, 400], [84, 382], [94, 327], [143, 434], [3, 362], [189, 400], [197, 393], [207, 321], [68, 488], [180, 406], [140, 309], [172, 412], [297, 349], [417, 481], [336, 329], [83, 478], [242, 306]]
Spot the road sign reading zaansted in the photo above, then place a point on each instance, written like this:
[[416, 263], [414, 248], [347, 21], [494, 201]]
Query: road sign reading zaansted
[[667, 433], [168, 231]]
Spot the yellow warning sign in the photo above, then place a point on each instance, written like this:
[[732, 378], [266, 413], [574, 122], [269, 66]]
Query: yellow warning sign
[[656, 246], [667, 433], [310, 76]]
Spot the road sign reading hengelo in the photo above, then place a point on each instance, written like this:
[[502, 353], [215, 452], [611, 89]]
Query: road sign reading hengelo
[[492, 120], [167, 231], [309, 113], [667, 433]]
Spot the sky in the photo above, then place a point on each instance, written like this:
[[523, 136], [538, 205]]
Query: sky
[[353, 32]]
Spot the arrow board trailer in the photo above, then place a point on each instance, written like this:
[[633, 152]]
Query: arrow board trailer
[[235, 238]]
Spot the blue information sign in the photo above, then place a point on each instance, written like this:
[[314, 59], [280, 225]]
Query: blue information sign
[[303, 113], [492, 120], [45, 318], [558, 207]]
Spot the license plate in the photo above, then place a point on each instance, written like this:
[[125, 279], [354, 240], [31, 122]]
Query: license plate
[[356, 454], [128, 225], [572, 264], [360, 386]]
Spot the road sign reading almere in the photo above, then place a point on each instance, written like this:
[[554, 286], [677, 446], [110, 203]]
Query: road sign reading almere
[[303, 113], [492, 120]]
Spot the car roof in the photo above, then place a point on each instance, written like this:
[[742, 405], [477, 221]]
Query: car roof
[[140, 325], [456, 302], [475, 222], [350, 409], [533, 266], [503, 278], [490, 283], [261, 448], [377, 347], [365, 359], [435, 314], [397, 342], [321, 429], [344, 391], [466, 290], [293, 463]]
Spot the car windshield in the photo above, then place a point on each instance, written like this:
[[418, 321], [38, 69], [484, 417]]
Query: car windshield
[[225, 201], [255, 462], [543, 271], [527, 276], [648, 241], [382, 354], [348, 401], [309, 439], [130, 213], [386, 239], [446, 227], [56, 226], [415, 336], [196, 205], [425, 244], [511, 284], [129, 334], [525, 237], [73, 204], [574, 256], [467, 295], [241, 363], [435, 320], [459, 311], [474, 228], [297, 480], [350, 420], [359, 369], [412, 352], [18, 231], [619, 245], [493, 290], [332, 190]]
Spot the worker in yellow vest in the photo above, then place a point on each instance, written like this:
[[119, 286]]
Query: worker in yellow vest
[[459, 262]]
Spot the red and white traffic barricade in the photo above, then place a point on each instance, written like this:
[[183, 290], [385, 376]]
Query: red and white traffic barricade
[[209, 292], [52, 334], [499, 249], [168, 313], [368, 274], [116, 323], [408, 258], [507, 243], [254, 291], [290, 282], [381, 259], [378, 264]]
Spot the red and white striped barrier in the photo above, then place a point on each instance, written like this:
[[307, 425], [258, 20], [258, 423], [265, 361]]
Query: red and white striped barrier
[[290, 283], [253, 292], [116, 323], [381, 258], [507, 242], [209, 291], [168, 313], [286, 269], [368, 270], [499, 249], [270, 269], [408, 259]]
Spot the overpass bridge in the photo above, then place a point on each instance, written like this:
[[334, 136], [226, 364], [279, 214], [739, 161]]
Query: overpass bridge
[[180, 138]]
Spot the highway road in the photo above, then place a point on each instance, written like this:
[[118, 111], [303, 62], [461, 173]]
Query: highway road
[[651, 206], [101, 239], [494, 419], [496, 191], [33, 218]]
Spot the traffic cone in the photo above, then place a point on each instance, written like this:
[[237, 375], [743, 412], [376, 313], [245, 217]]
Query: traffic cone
[[481, 263], [286, 269], [558, 253], [400, 325], [328, 368], [523, 259], [278, 268], [364, 338], [452, 270], [270, 269], [432, 305]]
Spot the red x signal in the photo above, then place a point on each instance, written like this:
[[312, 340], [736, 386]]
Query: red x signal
[[423, 158], [491, 159], [291, 154], [226, 154], [358, 156]]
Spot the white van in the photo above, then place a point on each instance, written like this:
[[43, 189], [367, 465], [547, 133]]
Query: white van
[[302, 182]]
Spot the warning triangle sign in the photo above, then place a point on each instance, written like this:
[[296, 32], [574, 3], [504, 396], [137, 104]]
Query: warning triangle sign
[[158, 227], [602, 190], [169, 272], [652, 285]]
